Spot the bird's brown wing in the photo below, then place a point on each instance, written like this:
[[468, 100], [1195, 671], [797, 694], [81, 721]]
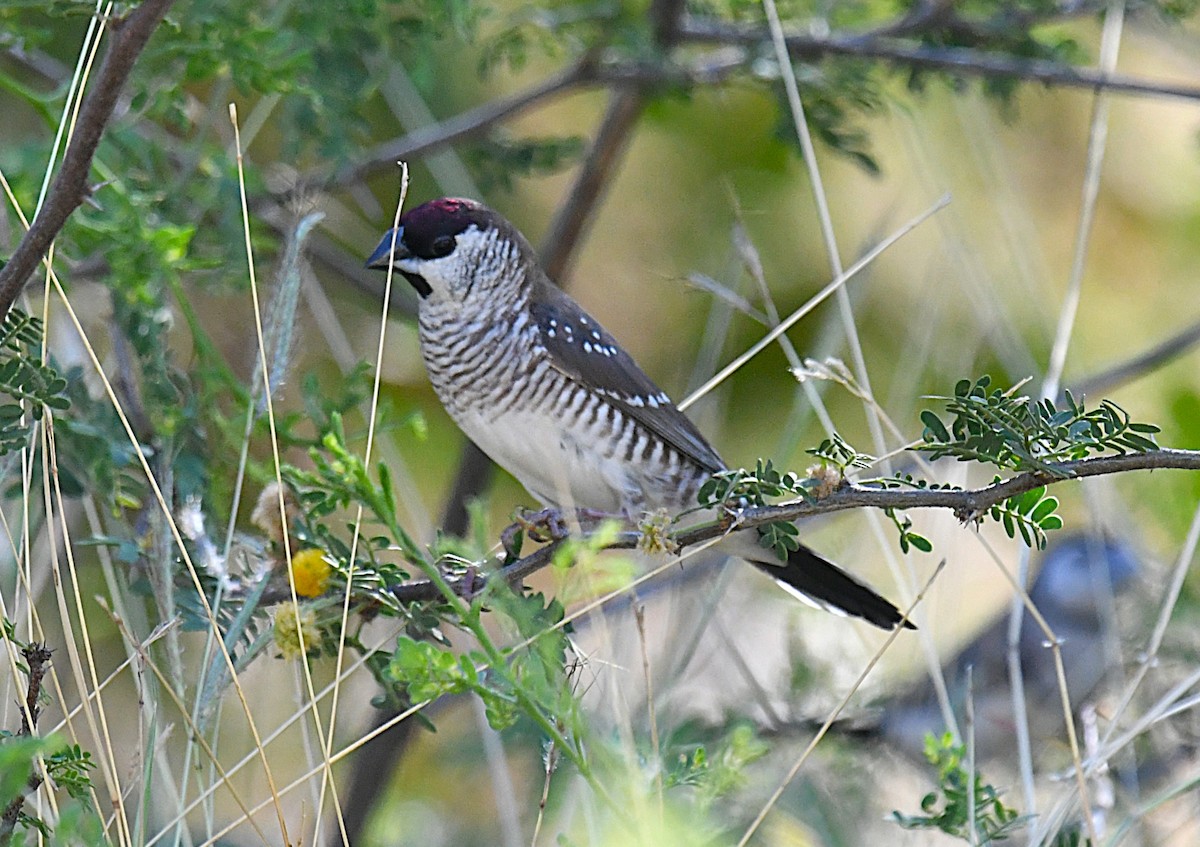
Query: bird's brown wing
[[585, 352]]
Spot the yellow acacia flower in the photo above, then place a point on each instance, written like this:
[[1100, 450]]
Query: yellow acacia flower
[[310, 572], [294, 642]]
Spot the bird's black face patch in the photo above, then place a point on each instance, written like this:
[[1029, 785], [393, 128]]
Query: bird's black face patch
[[430, 230], [419, 283]]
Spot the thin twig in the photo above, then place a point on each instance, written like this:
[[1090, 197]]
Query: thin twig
[[383, 158], [811, 304], [586, 73], [639, 616], [959, 60], [577, 212], [1123, 372]]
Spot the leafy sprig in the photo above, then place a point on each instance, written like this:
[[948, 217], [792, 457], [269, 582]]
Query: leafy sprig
[[1014, 432], [836, 451], [748, 489], [428, 671], [738, 489], [717, 770], [1032, 514], [30, 384], [526, 681]]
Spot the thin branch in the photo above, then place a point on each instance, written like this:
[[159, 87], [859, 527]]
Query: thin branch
[[710, 69], [127, 40], [959, 60], [1123, 372], [967, 504], [571, 221]]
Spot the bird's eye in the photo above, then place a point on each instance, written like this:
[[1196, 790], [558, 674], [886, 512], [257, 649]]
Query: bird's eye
[[443, 245]]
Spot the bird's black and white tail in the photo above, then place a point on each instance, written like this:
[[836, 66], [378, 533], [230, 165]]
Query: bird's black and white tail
[[818, 581]]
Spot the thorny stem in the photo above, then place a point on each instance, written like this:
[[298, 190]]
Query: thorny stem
[[37, 657]]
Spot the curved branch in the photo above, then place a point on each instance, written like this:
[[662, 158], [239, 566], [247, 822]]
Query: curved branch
[[127, 40], [968, 505], [588, 72], [465, 125]]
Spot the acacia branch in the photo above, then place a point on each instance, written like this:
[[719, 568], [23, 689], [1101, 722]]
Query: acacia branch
[[127, 39], [968, 505]]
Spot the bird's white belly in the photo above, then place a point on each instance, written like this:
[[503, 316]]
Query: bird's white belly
[[559, 466]]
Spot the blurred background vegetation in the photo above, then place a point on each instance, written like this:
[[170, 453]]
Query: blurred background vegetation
[[649, 150]]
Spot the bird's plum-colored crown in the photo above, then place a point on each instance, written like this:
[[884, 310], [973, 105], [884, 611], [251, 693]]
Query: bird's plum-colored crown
[[432, 226]]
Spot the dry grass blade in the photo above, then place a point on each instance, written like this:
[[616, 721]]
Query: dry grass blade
[[788, 322]]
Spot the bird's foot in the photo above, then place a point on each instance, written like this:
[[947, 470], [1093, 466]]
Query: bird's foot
[[471, 583], [544, 526], [541, 526]]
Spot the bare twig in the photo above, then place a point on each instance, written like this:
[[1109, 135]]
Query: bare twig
[[1142, 363], [585, 73], [70, 189], [639, 616], [958, 60], [572, 219]]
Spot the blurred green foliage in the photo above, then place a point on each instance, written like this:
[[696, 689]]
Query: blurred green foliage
[[964, 805]]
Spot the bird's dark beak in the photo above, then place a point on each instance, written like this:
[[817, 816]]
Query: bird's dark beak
[[383, 256]]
